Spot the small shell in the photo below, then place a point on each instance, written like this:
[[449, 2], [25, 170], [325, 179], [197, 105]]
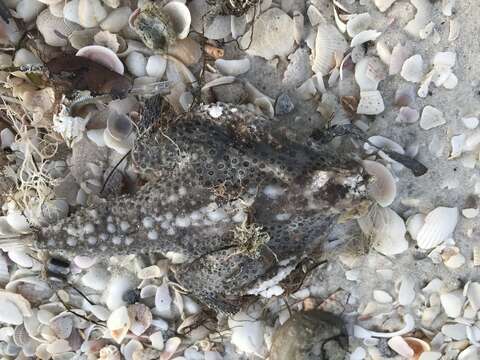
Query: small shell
[[141, 318], [103, 56], [365, 36], [412, 69], [371, 103], [431, 118], [473, 295], [28, 10], [401, 347], [171, 347], [62, 325], [55, 30], [383, 188], [233, 67], [179, 17], [419, 347], [414, 225], [382, 297], [108, 40], [328, 44], [439, 226], [163, 300], [452, 258], [307, 90], [156, 66], [422, 17], [116, 20], [136, 64], [91, 13], [400, 53], [70, 11], [157, 340], [470, 122], [368, 73], [452, 303], [384, 52], [118, 323], [407, 115], [188, 51], [298, 27], [455, 331], [358, 23], [82, 38]]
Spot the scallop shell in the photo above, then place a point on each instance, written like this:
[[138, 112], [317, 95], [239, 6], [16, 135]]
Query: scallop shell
[[365, 36], [328, 44], [116, 20], [233, 67], [103, 56], [422, 17], [55, 30], [179, 17], [412, 69], [383, 187], [431, 118], [371, 103], [439, 226], [386, 230], [91, 13]]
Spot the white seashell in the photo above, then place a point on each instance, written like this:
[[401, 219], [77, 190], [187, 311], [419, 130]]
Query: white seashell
[[239, 25], [84, 262], [405, 96], [470, 353], [400, 53], [96, 278], [445, 59], [20, 258], [62, 325], [439, 226], [382, 297], [247, 335], [28, 10], [55, 30], [120, 146], [371, 103], [365, 36], [430, 355], [108, 40], [383, 5], [91, 13], [431, 118], [100, 312], [163, 300], [262, 101], [25, 57], [470, 213], [452, 303], [157, 340], [407, 115], [383, 187], [470, 122], [148, 291], [103, 56], [329, 44], [150, 272], [406, 292], [141, 318], [454, 261], [136, 64], [358, 23], [307, 90], [18, 222], [70, 11], [414, 225], [156, 66], [386, 230], [118, 323], [455, 331], [369, 71], [314, 15], [362, 333], [131, 348], [233, 67], [13, 308], [57, 9], [116, 20], [383, 52], [58, 347], [401, 347], [358, 354], [457, 143], [422, 17], [412, 69], [179, 15]]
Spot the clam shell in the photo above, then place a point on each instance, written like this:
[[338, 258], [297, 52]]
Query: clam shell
[[371, 103], [412, 69], [103, 56], [383, 187], [136, 64], [55, 30], [452, 303], [157, 340], [328, 44], [118, 323], [455, 331], [28, 10], [439, 226], [401, 347], [156, 66], [91, 13], [180, 18], [233, 67], [431, 118], [406, 292], [116, 20]]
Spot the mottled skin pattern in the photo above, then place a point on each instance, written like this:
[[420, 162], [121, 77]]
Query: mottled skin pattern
[[205, 177]]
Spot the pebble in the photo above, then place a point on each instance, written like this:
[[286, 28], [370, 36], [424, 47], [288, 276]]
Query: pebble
[[283, 105]]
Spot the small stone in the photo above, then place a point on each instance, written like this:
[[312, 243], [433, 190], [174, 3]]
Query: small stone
[[131, 296], [283, 105]]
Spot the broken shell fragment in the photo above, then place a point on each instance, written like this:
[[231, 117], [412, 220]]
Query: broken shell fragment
[[407, 115], [103, 56], [371, 103], [329, 44], [421, 19], [180, 18], [233, 67], [119, 323], [431, 118], [365, 36], [383, 5], [400, 53], [439, 226], [412, 69], [55, 30], [382, 187]]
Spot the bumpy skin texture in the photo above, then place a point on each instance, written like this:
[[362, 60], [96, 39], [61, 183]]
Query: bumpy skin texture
[[207, 178]]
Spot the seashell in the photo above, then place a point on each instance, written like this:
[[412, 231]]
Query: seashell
[[473, 295], [116, 20], [156, 66], [171, 346], [457, 143], [368, 73], [364, 36], [412, 69], [455, 331], [329, 43], [136, 64], [401, 347], [233, 67], [108, 40], [273, 27], [187, 51], [407, 115], [57, 9], [298, 27], [382, 297], [91, 13], [452, 303], [421, 19], [28, 10], [82, 38], [384, 5], [148, 291], [414, 225], [431, 118], [180, 18], [470, 353], [132, 347], [453, 259], [384, 52], [307, 90], [406, 292], [18, 222], [400, 53], [383, 187], [262, 101], [70, 11], [358, 23], [386, 230], [163, 300], [314, 15], [103, 56], [62, 325], [58, 347], [470, 213], [118, 323], [100, 312], [110, 352], [418, 346], [25, 57], [405, 96], [439, 226], [247, 335], [96, 278], [141, 318], [14, 307], [157, 340], [371, 103]]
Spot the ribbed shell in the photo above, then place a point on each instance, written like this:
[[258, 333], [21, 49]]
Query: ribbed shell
[[55, 30], [328, 42]]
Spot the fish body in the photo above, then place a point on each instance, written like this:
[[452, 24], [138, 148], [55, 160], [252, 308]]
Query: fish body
[[224, 197]]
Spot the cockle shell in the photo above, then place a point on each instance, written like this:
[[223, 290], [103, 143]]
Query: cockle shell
[[382, 187], [439, 226], [55, 30], [91, 13], [103, 56], [328, 44], [180, 18]]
